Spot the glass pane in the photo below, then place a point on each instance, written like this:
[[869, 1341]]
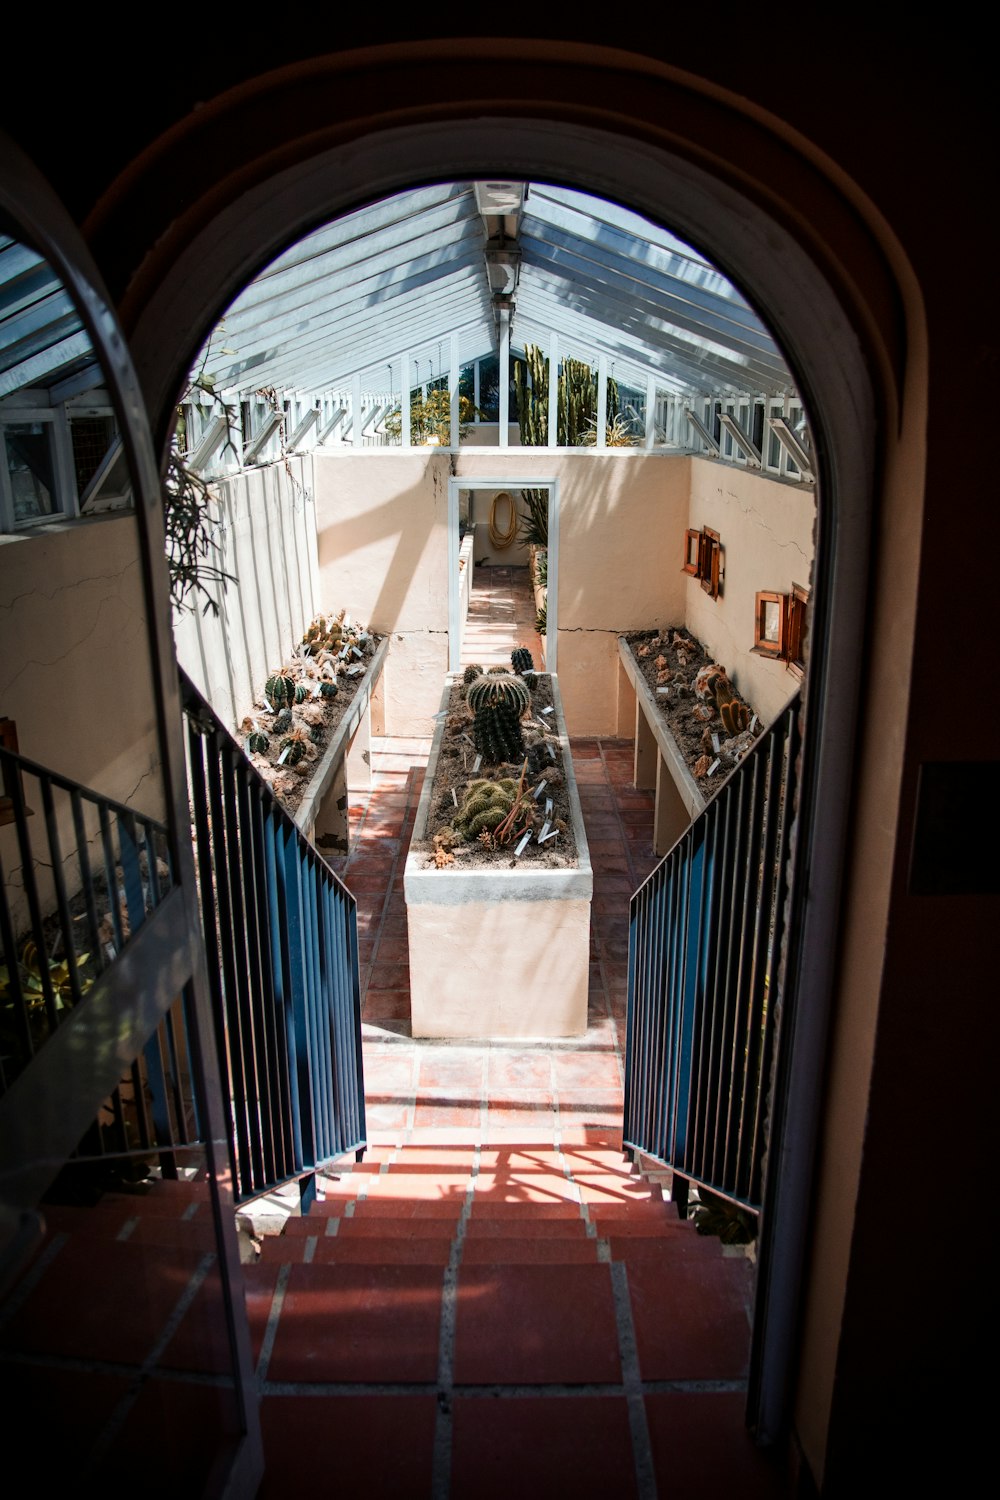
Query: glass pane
[[28, 447], [770, 622]]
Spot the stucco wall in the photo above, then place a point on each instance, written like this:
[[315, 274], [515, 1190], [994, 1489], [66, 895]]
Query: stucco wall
[[268, 543], [74, 654], [382, 538], [75, 675], [766, 532], [621, 516]]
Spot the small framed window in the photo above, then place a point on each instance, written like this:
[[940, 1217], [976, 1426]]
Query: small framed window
[[769, 629], [798, 601], [703, 559], [692, 554], [709, 572], [8, 741], [780, 626]]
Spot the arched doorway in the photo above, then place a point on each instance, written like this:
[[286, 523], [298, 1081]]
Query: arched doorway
[[733, 185]]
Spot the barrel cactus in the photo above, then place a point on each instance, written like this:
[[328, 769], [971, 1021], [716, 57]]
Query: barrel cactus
[[279, 691], [293, 748], [497, 703], [258, 742], [484, 807], [522, 660], [471, 673], [283, 722], [301, 692], [328, 689]]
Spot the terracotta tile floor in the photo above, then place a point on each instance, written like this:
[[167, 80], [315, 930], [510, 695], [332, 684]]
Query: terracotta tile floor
[[501, 616]]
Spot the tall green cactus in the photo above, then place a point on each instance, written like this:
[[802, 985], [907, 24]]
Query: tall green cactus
[[498, 701]]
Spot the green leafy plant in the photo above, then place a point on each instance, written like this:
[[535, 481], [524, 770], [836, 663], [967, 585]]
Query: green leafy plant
[[430, 418]]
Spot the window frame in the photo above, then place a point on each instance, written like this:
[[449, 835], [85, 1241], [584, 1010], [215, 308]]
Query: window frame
[[63, 473]]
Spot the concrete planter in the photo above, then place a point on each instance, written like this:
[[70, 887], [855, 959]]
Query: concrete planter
[[345, 763], [499, 952]]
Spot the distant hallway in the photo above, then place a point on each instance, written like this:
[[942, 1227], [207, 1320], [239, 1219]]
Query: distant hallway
[[501, 616]]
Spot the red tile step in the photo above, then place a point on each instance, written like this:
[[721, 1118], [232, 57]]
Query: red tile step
[[364, 1323], [530, 1250]]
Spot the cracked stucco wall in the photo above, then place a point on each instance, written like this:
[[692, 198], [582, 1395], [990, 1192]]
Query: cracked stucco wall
[[74, 667], [267, 542], [766, 531], [382, 535], [622, 519]]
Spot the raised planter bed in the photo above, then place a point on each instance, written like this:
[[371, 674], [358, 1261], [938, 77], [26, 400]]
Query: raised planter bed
[[661, 763], [345, 764], [502, 950]]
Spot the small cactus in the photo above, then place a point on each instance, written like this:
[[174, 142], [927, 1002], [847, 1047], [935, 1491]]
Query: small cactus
[[279, 691], [316, 734], [301, 692], [735, 717], [293, 748], [258, 743], [283, 722], [328, 689], [522, 660], [484, 807], [471, 673]]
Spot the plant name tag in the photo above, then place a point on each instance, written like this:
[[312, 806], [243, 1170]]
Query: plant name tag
[[454, 796], [548, 807], [547, 710], [523, 845], [477, 763], [715, 743], [539, 789], [753, 723], [713, 767]]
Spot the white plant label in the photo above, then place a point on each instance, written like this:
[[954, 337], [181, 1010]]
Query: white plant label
[[753, 723], [547, 710], [454, 798], [713, 767], [523, 845], [715, 743], [548, 807], [477, 763], [544, 833], [539, 789]]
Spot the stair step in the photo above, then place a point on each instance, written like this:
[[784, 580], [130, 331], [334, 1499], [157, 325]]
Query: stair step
[[484, 1207], [493, 1227], [530, 1250], [406, 1208], [335, 1250], [384, 1227], [180, 1234]]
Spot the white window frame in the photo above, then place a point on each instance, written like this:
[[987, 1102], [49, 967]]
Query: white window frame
[[64, 473]]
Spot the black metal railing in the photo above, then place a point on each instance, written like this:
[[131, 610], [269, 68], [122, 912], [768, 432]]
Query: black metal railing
[[81, 874], [705, 941], [281, 937]]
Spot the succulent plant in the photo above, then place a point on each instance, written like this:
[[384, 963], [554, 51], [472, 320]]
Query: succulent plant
[[316, 734], [283, 722], [328, 689], [301, 692], [484, 807], [497, 702], [735, 716], [279, 691], [522, 660], [471, 673], [293, 748], [258, 743]]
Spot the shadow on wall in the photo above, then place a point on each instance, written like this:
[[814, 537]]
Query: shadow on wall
[[268, 545], [381, 523]]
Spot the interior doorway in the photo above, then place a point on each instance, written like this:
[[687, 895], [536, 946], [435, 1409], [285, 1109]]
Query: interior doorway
[[462, 494]]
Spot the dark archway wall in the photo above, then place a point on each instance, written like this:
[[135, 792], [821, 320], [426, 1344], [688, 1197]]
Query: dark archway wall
[[890, 131]]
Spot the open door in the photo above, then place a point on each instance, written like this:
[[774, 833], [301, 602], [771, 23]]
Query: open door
[[124, 1344]]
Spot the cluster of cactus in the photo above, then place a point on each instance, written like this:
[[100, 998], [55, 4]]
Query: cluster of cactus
[[497, 702], [522, 660], [485, 806], [279, 691], [736, 716], [323, 635], [576, 395]]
